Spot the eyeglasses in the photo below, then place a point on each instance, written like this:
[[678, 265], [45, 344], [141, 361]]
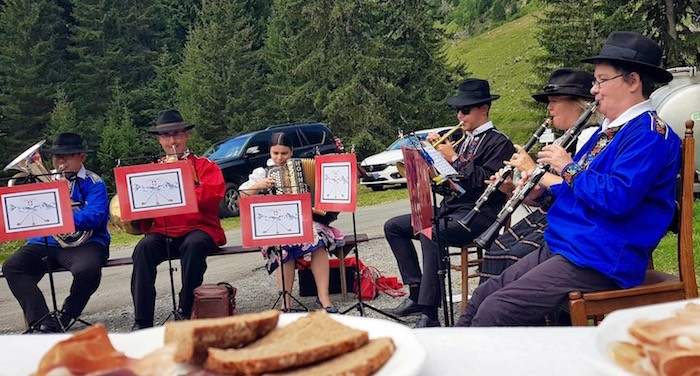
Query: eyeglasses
[[175, 134], [598, 83]]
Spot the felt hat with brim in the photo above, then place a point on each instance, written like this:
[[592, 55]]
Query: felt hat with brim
[[567, 82], [67, 143], [636, 51], [471, 92], [170, 121]]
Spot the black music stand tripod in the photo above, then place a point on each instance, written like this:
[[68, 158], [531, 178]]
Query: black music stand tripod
[[55, 314], [175, 314], [361, 305], [284, 293], [443, 255]]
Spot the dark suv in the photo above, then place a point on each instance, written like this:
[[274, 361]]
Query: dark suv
[[239, 156]]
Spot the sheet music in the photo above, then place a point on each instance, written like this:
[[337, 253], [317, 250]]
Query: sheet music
[[443, 167]]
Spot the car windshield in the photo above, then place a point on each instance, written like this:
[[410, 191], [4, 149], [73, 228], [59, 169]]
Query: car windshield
[[227, 149], [407, 140]]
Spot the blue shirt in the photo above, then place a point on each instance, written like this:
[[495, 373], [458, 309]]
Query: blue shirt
[[613, 213], [88, 189]]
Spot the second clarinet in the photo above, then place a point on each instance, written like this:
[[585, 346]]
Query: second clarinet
[[468, 219], [524, 190]]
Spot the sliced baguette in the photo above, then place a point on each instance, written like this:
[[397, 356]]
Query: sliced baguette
[[364, 361], [307, 340], [194, 337]]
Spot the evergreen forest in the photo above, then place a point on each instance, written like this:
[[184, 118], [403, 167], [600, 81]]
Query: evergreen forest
[[367, 68]]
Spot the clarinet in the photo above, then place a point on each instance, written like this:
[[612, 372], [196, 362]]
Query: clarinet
[[467, 220], [524, 190]]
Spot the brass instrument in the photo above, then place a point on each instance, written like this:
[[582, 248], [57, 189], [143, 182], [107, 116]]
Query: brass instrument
[[130, 227], [449, 133], [401, 167], [32, 170]]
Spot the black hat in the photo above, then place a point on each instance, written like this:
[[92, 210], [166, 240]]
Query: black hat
[[67, 143], [568, 82], [170, 121], [637, 51], [472, 91]]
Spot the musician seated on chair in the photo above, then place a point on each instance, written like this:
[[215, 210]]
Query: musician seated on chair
[[478, 157], [192, 236], [611, 205], [566, 94], [326, 238], [83, 258]]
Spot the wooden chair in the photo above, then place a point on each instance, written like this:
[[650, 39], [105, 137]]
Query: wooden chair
[[657, 286], [464, 253]]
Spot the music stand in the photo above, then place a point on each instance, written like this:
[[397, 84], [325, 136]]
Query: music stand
[[175, 314], [284, 293]]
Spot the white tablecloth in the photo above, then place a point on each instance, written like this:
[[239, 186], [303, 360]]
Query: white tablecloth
[[506, 351], [450, 351]]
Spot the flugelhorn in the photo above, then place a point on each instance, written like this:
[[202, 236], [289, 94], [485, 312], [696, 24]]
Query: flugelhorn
[[449, 133], [468, 219], [33, 170], [525, 188]]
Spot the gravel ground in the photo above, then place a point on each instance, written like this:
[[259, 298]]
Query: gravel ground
[[257, 290]]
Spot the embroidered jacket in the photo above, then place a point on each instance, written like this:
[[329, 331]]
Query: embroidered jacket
[[210, 191], [613, 208], [90, 191]]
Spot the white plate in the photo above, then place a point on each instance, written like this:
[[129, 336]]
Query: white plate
[[614, 328], [407, 360]]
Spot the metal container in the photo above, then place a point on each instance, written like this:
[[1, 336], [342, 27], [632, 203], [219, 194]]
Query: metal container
[[679, 101]]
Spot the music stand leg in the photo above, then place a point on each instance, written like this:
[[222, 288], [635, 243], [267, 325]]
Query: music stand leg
[[284, 293], [442, 271], [174, 313], [361, 305]]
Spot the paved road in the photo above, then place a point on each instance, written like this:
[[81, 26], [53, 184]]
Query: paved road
[[257, 290]]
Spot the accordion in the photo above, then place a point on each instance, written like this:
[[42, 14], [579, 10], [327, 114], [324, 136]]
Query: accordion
[[297, 175]]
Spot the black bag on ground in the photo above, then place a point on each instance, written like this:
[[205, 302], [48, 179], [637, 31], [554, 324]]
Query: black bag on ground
[[214, 300]]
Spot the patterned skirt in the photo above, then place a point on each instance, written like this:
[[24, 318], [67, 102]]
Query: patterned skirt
[[324, 237]]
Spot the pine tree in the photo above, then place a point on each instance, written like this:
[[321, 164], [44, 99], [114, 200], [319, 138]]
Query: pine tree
[[223, 72], [32, 35], [367, 68], [63, 117]]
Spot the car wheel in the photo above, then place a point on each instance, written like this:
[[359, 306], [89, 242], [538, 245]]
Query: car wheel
[[229, 205], [377, 187]]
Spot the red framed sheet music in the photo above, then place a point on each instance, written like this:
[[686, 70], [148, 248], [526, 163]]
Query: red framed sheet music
[[276, 220], [419, 190], [33, 210], [155, 190], [336, 182]]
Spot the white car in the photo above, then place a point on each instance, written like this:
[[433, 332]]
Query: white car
[[381, 168]]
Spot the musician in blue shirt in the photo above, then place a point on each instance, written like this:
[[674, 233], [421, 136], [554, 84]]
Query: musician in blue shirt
[[83, 258], [611, 205]]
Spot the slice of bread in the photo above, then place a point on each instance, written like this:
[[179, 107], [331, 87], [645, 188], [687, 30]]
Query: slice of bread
[[364, 361], [307, 340], [194, 337]]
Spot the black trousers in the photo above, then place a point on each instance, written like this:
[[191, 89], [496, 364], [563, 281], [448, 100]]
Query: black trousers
[[25, 268], [537, 285], [399, 233], [151, 251]]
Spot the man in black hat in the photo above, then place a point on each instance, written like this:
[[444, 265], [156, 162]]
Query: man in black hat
[[612, 204], [191, 236], [480, 156], [84, 259]]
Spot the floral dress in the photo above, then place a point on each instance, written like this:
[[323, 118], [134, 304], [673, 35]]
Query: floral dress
[[325, 236]]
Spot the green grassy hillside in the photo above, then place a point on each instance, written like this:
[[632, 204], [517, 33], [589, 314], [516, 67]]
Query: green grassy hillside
[[504, 57]]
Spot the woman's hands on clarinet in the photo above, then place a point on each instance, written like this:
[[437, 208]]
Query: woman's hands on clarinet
[[521, 160], [555, 156], [507, 186]]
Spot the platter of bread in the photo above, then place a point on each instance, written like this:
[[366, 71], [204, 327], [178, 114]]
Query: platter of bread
[[661, 339], [264, 343]]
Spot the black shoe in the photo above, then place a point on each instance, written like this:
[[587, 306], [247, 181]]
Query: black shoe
[[331, 309], [141, 325], [407, 307], [426, 322]]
